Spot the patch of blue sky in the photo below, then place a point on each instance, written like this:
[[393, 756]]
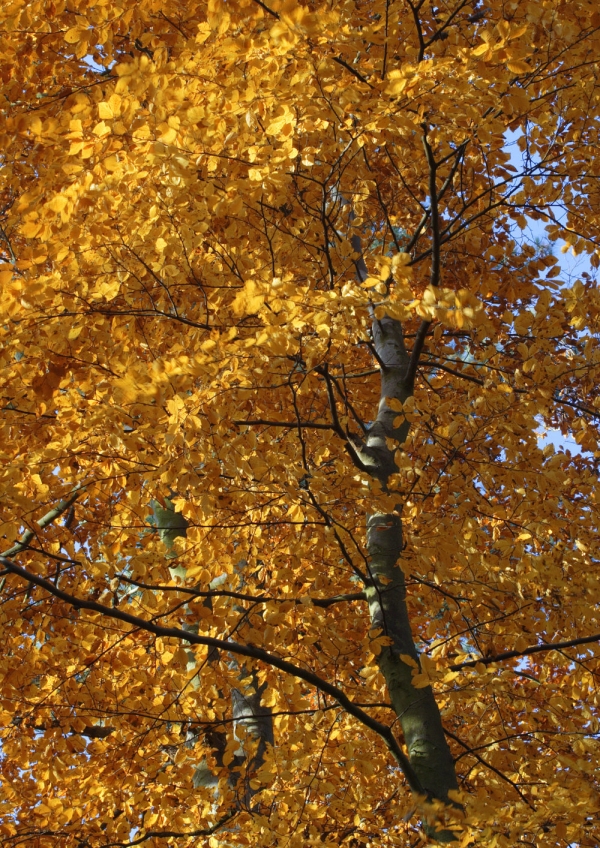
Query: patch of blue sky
[[573, 266], [560, 442]]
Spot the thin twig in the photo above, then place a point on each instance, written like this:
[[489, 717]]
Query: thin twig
[[165, 834], [489, 766], [266, 9], [323, 370], [435, 221], [413, 364]]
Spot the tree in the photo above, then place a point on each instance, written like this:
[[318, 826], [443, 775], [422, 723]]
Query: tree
[[286, 560]]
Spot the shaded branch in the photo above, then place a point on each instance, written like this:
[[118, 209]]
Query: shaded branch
[[240, 596], [489, 766], [45, 521], [526, 652], [349, 68], [413, 364], [10, 408], [6, 240], [434, 281], [266, 9], [164, 834], [445, 185], [292, 425], [323, 370], [346, 402], [439, 33], [435, 220], [445, 368], [236, 648]]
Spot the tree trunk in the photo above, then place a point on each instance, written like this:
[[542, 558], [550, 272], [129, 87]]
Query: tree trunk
[[248, 714], [416, 709]]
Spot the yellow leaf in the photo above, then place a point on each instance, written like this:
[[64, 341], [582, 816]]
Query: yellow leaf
[[58, 203], [101, 129], [277, 124], [108, 289], [396, 87], [74, 332], [269, 699], [295, 513], [111, 163], [75, 34], [181, 656], [169, 136], [31, 228], [249, 300], [518, 66], [35, 125], [105, 111]]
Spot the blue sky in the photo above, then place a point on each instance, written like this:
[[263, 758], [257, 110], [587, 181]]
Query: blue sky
[[572, 267]]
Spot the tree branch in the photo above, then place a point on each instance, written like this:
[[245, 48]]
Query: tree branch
[[349, 68], [489, 766], [435, 221], [165, 834], [459, 154], [413, 364], [236, 648], [292, 425], [46, 520], [240, 596], [533, 649], [266, 9], [323, 370]]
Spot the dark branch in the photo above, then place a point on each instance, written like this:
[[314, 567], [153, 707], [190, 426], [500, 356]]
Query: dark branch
[[165, 834], [489, 766], [251, 651], [290, 424], [240, 596], [323, 370], [349, 68], [413, 364], [266, 9], [533, 649], [435, 220]]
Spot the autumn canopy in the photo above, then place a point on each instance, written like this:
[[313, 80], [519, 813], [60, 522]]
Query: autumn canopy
[[291, 552]]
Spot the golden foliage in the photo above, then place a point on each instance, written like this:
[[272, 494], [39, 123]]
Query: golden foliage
[[187, 193]]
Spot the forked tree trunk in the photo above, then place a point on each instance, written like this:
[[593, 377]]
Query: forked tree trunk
[[416, 709]]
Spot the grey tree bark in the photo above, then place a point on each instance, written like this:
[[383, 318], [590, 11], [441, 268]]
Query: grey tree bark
[[250, 717], [416, 709]]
